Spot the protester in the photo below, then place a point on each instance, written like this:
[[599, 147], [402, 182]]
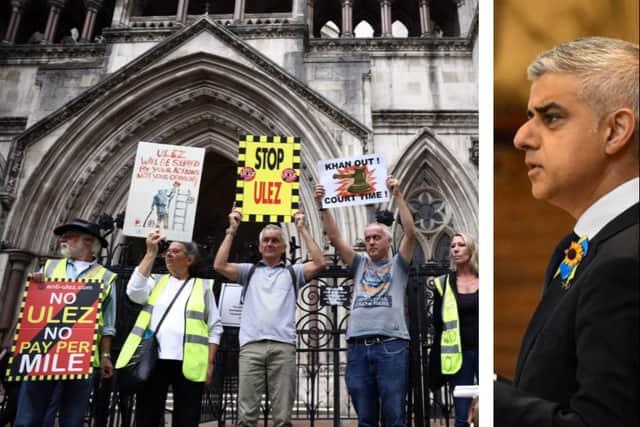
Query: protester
[[80, 243], [456, 321], [267, 328], [188, 337], [377, 336]]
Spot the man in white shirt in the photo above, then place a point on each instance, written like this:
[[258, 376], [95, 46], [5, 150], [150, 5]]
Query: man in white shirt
[[267, 328], [578, 363]]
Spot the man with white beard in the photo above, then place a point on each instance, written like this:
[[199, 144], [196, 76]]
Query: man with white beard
[[80, 243]]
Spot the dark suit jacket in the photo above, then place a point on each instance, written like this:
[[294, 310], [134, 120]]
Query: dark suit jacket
[[579, 362]]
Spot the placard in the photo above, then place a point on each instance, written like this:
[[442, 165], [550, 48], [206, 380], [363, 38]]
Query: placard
[[267, 188], [164, 191], [229, 307], [349, 181], [57, 331]]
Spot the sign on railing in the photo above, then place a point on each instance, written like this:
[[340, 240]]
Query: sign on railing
[[334, 296]]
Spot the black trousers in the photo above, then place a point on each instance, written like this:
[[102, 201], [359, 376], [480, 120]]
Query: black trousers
[[187, 397]]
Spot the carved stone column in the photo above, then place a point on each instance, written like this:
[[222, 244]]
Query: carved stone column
[[385, 18], [12, 291], [298, 9], [238, 11], [309, 17], [183, 7], [55, 7], [425, 18], [17, 7], [93, 7], [347, 18]]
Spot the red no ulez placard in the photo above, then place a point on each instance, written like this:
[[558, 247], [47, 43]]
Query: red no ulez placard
[[56, 331]]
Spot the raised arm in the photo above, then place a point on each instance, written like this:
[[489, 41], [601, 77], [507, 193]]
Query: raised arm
[[140, 283], [345, 251], [153, 239], [221, 264], [408, 242], [317, 263]]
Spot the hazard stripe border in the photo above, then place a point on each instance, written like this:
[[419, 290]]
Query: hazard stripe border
[[295, 199], [23, 302]]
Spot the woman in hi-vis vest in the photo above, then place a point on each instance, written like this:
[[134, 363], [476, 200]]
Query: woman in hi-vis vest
[[188, 336], [455, 313]]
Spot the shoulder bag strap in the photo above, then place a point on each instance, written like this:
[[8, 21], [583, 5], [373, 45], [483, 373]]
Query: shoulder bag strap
[[253, 270], [170, 305], [294, 280], [246, 285]]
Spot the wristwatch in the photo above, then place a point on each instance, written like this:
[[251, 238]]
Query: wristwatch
[[107, 355]]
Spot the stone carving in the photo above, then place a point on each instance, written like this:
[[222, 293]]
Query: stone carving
[[445, 46], [44, 54], [474, 151], [430, 119], [431, 211], [12, 124], [129, 72]]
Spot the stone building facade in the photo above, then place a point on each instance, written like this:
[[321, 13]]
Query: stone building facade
[[83, 81]]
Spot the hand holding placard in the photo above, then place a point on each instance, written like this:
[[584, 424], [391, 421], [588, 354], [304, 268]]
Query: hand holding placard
[[393, 185], [36, 277], [153, 240], [319, 195], [235, 216], [298, 218]]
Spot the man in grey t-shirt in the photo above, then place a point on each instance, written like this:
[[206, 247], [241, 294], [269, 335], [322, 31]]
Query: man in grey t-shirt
[[377, 336], [267, 327]]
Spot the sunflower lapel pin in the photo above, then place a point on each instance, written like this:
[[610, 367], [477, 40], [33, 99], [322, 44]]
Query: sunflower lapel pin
[[572, 258]]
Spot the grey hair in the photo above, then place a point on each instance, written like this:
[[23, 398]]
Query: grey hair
[[192, 250], [472, 247], [270, 227], [96, 246], [607, 69], [385, 229]]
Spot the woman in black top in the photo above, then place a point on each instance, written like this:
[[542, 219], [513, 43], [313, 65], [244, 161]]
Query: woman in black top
[[463, 281]]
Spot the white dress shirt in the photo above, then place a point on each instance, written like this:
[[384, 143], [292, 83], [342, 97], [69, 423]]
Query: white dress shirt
[[607, 208], [171, 334]]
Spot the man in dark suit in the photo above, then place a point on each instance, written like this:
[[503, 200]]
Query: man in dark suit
[[579, 362]]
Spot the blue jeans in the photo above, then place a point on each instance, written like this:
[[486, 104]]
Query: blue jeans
[[465, 376], [379, 373], [35, 397]]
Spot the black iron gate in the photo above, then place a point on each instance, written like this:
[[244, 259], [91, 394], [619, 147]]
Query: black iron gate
[[323, 312]]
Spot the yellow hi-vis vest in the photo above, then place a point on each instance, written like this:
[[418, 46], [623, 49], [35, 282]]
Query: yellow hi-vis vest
[[57, 269], [450, 343], [195, 357]]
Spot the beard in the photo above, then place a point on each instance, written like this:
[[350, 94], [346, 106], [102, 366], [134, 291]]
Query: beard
[[71, 251]]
